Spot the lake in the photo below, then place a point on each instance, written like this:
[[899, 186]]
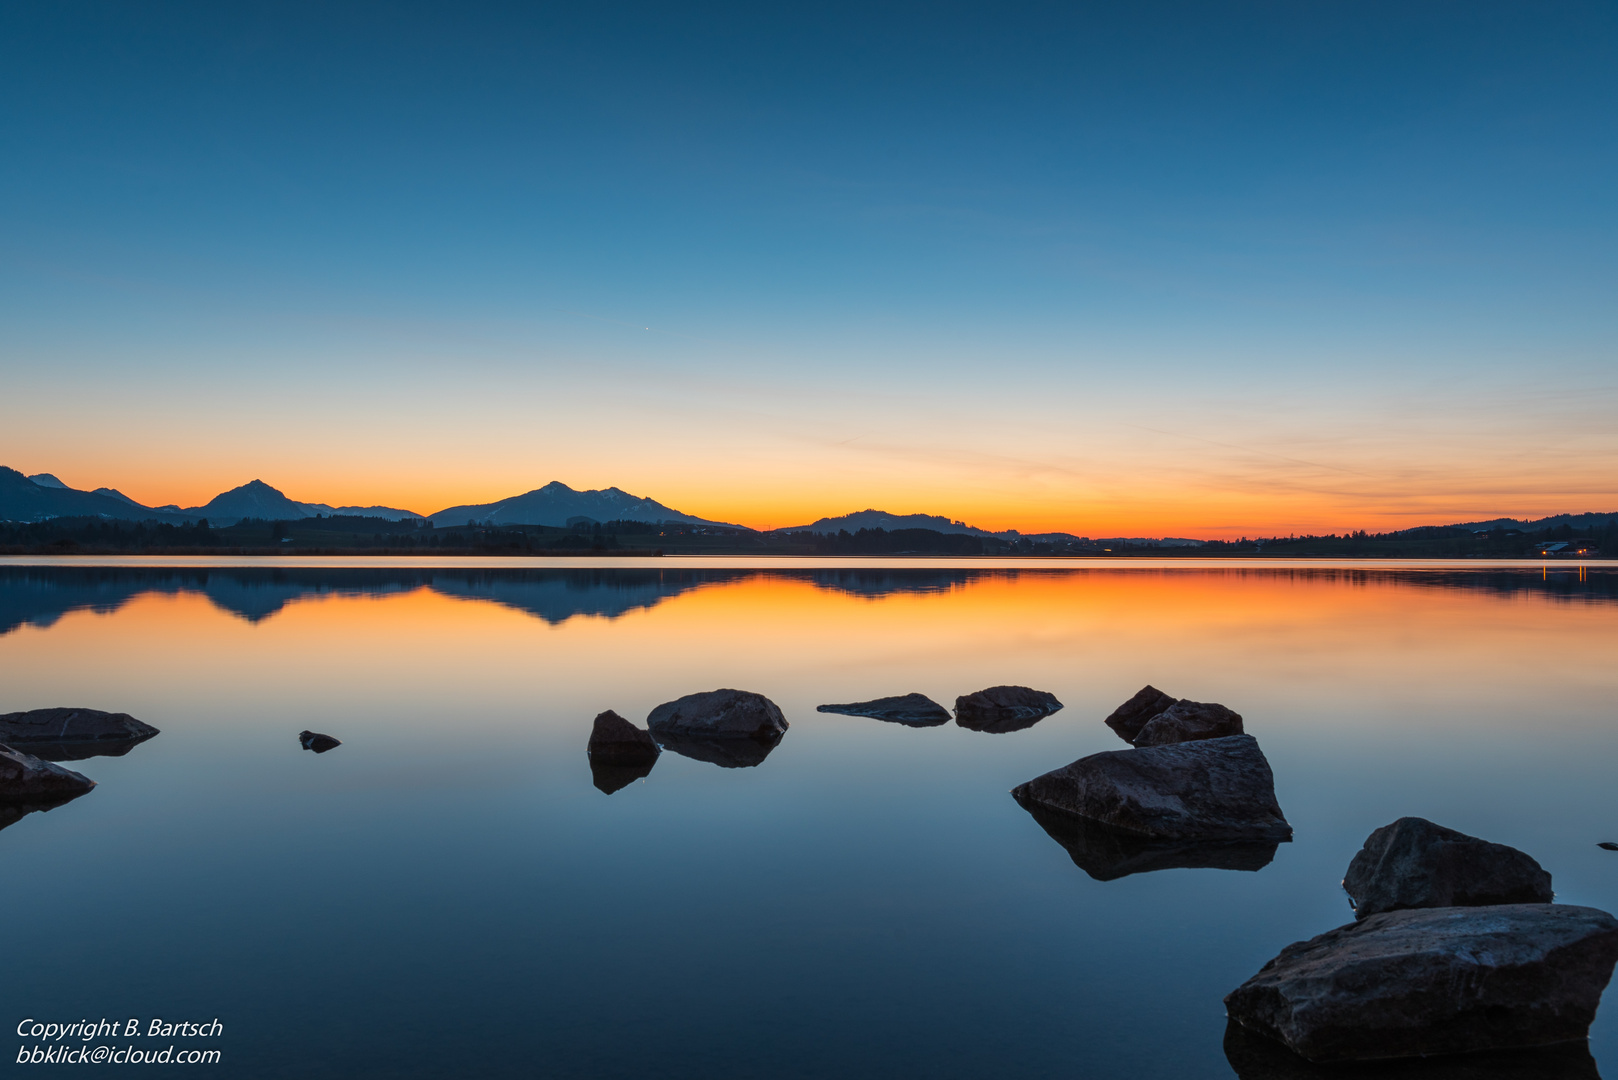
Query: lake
[[448, 893]]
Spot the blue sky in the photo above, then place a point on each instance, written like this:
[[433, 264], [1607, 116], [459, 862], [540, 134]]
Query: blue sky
[[1188, 266]]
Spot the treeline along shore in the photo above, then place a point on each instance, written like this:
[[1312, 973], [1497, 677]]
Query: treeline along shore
[[341, 534]]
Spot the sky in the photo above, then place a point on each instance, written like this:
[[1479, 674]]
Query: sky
[[1190, 269]]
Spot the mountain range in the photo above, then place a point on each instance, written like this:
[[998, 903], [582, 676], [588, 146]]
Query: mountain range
[[43, 496]]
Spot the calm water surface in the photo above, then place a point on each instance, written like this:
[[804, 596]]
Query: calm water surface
[[448, 894]]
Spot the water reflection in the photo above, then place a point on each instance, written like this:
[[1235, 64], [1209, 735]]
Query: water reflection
[[1254, 1057], [39, 595], [11, 813], [1108, 854], [726, 753]]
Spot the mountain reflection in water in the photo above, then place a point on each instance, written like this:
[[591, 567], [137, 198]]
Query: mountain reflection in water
[[39, 595]]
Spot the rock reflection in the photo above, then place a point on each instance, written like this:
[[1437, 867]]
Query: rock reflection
[[1108, 854], [609, 778], [11, 813], [1253, 1057], [78, 751], [726, 753]]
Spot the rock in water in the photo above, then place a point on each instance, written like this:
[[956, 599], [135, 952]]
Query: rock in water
[[1254, 1057], [1188, 721], [719, 714], [27, 781], [1004, 708], [1435, 981], [912, 710], [1211, 789], [71, 734], [1607, 845], [1108, 854], [615, 741], [314, 740], [1416, 864], [1128, 718]]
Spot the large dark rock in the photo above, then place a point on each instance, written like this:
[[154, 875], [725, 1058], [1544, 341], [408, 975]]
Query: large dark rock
[[718, 714], [726, 753], [912, 710], [1127, 719], [314, 740], [615, 741], [73, 734], [1416, 864], [1108, 854], [25, 780], [1435, 981], [1004, 708], [1188, 721], [1212, 789], [1254, 1057]]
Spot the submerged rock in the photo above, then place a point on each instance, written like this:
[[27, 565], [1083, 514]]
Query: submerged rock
[[726, 753], [1127, 719], [313, 740], [1004, 708], [718, 714], [73, 734], [615, 741], [1435, 981], [609, 778], [1416, 864], [912, 710], [25, 780], [1212, 789], [1254, 1057], [1188, 721], [1108, 854]]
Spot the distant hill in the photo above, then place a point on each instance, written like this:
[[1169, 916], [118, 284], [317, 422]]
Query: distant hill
[[45, 479], [256, 499], [1576, 521], [881, 519], [556, 504], [24, 499]]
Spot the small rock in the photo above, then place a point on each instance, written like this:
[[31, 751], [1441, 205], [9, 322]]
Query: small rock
[[726, 753], [1211, 789], [313, 740], [1608, 844], [719, 714], [25, 780], [615, 741], [73, 734], [1108, 854], [1416, 864], [1128, 718], [912, 710], [1004, 708], [1435, 981], [1188, 721], [1254, 1057]]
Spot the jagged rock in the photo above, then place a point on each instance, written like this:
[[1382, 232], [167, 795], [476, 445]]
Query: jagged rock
[[1212, 789], [1416, 864], [1433, 981], [1004, 708], [25, 780], [718, 714], [912, 710], [610, 778], [313, 740], [73, 734], [615, 741], [726, 753], [1254, 1057], [1127, 719], [1108, 854], [1188, 721]]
